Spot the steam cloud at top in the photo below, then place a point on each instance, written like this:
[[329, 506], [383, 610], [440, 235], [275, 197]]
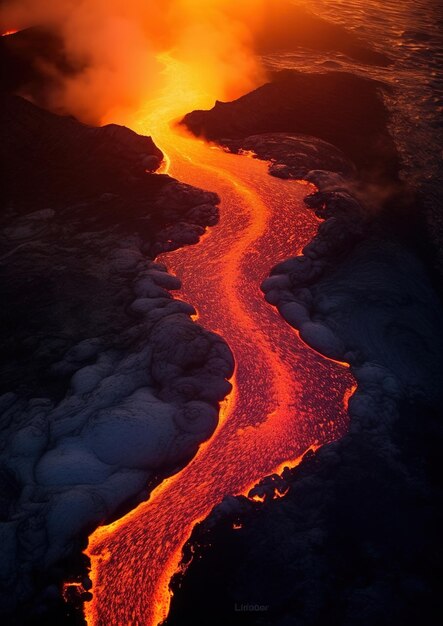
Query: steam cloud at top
[[113, 45]]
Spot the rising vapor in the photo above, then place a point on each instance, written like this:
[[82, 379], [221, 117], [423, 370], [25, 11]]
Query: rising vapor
[[113, 47]]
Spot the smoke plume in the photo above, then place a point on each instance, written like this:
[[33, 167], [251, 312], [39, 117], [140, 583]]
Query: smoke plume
[[113, 47]]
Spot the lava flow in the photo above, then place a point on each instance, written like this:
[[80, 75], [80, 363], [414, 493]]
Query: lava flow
[[285, 397]]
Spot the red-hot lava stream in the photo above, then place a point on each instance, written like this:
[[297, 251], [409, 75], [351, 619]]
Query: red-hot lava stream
[[286, 397]]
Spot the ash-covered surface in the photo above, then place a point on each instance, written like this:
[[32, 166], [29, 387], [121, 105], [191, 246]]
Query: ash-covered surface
[[108, 385], [355, 539]]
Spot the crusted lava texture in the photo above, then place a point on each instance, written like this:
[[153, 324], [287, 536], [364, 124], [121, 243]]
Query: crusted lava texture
[[107, 385], [355, 540]]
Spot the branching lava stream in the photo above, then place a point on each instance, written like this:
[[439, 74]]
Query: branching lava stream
[[286, 397]]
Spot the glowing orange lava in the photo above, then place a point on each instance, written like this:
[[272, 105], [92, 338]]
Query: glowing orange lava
[[286, 397]]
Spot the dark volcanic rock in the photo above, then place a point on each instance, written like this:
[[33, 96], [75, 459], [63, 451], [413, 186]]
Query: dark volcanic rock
[[47, 159], [95, 350], [295, 156], [339, 108]]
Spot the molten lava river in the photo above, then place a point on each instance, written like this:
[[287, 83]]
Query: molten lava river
[[286, 398]]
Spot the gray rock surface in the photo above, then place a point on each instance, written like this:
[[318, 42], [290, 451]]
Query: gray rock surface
[[107, 384]]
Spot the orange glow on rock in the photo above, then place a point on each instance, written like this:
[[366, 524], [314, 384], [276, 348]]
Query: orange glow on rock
[[286, 398], [348, 395], [258, 498], [342, 363], [70, 585]]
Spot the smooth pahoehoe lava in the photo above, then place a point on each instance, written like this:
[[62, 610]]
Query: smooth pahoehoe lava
[[285, 399]]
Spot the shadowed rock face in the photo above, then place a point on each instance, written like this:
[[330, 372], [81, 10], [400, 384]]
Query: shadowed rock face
[[24, 54], [47, 158], [339, 108], [293, 156], [107, 384]]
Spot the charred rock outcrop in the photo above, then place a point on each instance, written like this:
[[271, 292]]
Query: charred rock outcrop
[[340, 108]]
